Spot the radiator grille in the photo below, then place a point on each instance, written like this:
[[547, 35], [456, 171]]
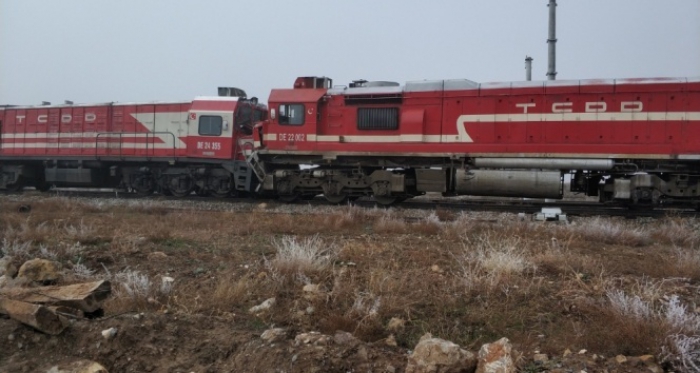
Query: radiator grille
[[378, 118]]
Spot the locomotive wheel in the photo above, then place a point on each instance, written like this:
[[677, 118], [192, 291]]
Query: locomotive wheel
[[180, 193], [385, 200], [143, 192], [143, 185], [336, 199], [220, 193], [16, 187], [181, 186], [42, 186], [201, 192], [220, 187]]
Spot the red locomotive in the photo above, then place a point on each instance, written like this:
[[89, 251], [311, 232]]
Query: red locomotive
[[173, 147], [633, 140]]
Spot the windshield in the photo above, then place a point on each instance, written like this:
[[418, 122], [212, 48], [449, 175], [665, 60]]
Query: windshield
[[244, 118]]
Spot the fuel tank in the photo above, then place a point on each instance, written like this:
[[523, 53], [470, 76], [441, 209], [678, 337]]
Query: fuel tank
[[509, 183], [546, 163]]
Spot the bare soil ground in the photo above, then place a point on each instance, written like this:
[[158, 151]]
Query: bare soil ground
[[609, 286]]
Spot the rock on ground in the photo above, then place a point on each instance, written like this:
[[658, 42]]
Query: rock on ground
[[109, 333], [7, 268], [435, 355], [496, 357], [5, 281], [39, 270], [313, 291], [79, 366], [342, 338], [274, 335], [313, 338], [264, 306], [396, 324]]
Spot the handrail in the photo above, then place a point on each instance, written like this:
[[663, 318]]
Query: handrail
[[149, 135]]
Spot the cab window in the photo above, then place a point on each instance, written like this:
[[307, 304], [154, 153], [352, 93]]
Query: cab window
[[210, 125], [291, 114]]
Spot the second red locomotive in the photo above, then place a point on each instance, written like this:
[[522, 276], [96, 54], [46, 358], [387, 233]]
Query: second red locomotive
[[631, 140]]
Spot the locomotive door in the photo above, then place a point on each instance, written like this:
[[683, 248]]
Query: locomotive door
[[169, 126], [141, 141], [54, 131]]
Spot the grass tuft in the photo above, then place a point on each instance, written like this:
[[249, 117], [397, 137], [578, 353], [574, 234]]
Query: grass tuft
[[612, 232], [300, 256]]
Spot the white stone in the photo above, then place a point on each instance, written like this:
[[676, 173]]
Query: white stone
[[496, 357], [109, 333], [314, 338], [264, 306], [166, 284], [311, 288], [79, 366], [435, 355], [274, 335]]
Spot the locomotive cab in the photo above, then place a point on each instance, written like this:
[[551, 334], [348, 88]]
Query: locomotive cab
[[295, 114]]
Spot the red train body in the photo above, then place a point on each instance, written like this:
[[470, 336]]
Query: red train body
[[175, 147], [636, 139]]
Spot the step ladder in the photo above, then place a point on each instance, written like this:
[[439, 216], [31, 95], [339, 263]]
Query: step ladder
[[256, 166]]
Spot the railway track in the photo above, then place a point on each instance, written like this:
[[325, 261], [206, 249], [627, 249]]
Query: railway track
[[570, 208]]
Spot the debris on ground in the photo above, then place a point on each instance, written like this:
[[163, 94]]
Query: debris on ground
[[46, 308]]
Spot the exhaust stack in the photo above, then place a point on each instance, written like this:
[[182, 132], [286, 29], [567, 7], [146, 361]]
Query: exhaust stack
[[528, 68], [552, 41]]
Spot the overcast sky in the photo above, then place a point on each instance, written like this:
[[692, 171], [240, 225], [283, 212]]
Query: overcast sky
[[135, 50]]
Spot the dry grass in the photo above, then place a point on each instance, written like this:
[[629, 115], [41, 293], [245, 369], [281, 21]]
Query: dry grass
[[299, 257], [489, 261], [607, 285], [614, 232]]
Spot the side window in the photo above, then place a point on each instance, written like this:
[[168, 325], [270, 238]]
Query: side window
[[210, 125], [292, 114], [377, 118]]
